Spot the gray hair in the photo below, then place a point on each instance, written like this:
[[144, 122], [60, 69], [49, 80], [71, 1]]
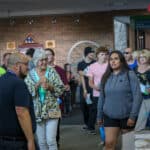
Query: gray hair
[[38, 55]]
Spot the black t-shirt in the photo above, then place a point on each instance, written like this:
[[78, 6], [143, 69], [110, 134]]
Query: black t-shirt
[[83, 66], [13, 92]]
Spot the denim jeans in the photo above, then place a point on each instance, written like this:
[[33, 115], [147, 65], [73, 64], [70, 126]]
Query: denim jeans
[[84, 108], [67, 102], [93, 114], [46, 134], [143, 115], [13, 145]]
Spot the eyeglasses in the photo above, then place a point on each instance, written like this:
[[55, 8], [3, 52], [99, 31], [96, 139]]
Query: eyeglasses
[[44, 59], [126, 53], [24, 63]]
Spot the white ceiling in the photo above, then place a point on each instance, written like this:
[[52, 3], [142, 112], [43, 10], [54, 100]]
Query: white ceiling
[[9, 8]]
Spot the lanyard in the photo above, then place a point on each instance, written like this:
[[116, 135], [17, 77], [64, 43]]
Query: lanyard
[[36, 76], [41, 90], [12, 72]]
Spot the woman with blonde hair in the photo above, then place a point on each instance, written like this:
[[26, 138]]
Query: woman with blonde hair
[[143, 74]]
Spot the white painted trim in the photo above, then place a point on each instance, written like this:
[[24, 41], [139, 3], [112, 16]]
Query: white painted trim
[[78, 43]]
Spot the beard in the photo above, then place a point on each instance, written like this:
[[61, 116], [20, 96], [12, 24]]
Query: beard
[[21, 74]]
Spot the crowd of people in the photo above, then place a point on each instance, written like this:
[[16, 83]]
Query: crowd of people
[[35, 93], [118, 83]]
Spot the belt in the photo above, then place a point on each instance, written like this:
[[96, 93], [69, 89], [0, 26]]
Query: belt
[[12, 138]]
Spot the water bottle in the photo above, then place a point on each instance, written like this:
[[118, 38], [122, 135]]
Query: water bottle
[[42, 93], [102, 133], [147, 87], [59, 101], [88, 99]]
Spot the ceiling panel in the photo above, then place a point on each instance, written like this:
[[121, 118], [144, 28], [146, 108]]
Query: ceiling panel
[[38, 7]]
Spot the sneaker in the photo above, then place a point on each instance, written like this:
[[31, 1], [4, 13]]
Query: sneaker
[[85, 127], [93, 132], [102, 143]]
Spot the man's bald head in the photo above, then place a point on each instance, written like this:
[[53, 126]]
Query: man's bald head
[[129, 50]]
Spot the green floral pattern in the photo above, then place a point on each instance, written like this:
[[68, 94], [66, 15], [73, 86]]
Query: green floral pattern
[[50, 102]]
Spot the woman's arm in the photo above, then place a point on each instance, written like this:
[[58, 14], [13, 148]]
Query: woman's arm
[[100, 106], [92, 85]]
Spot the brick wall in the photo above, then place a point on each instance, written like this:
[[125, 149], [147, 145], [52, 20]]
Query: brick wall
[[97, 27]]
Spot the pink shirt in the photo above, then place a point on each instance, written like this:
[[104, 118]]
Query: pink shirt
[[96, 71]]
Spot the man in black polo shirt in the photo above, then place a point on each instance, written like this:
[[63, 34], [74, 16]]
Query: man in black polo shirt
[[17, 119]]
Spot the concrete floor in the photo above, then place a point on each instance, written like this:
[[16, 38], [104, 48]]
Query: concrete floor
[[74, 138]]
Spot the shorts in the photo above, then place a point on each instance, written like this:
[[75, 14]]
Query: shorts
[[121, 123]]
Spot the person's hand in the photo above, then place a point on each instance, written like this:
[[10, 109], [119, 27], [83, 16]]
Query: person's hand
[[37, 85], [148, 90], [42, 80], [130, 122], [67, 87], [100, 122], [85, 94], [45, 85], [31, 145], [97, 88]]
